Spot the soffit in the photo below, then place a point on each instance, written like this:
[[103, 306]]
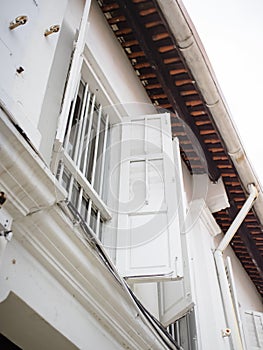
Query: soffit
[[145, 37]]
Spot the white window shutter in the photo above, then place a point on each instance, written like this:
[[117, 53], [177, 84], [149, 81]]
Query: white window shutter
[[175, 297], [148, 241], [253, 327]]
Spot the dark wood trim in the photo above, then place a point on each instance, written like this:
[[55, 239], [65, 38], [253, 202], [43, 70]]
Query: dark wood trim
[[150, 49]]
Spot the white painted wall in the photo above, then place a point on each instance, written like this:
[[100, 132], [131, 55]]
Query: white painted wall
[[22, 274], [247, 294], [210, 315], [26, 46]]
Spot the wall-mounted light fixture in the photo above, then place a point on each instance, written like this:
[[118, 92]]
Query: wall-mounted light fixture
[[19, 20], [53, 29]]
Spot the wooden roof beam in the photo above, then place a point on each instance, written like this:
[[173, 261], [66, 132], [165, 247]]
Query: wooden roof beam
[[152, 52], [248, 241]]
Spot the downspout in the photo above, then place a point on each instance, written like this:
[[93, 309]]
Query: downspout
[[222, 277]]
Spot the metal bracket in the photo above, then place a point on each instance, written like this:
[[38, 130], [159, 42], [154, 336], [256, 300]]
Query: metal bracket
[[5, 224]]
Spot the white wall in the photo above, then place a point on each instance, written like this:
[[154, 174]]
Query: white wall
[[22, 274], [26, 46], [247, 294]]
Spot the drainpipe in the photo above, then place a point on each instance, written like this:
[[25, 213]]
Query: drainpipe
[[222, 277]]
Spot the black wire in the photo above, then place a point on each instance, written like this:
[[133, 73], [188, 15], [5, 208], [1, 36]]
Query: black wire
[[92, 239]]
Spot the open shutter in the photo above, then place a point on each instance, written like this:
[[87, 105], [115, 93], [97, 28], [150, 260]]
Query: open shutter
[[253, 326], [148, 242], [175, 297]]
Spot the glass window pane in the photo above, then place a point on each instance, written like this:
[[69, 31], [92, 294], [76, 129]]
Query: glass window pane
[[75, 194], [84, 208], [65, 179], [93, 220]]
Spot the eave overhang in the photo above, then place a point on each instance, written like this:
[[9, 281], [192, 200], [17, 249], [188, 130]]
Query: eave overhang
[[167, 55]]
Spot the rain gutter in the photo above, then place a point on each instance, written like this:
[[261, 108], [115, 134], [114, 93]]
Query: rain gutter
[[194, 54]]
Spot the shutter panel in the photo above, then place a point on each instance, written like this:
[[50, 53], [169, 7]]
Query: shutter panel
[[148, 241], [175, 297], [253, 326]]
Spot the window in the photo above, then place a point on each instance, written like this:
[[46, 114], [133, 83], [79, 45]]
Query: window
[[81, 169], [183, 331]]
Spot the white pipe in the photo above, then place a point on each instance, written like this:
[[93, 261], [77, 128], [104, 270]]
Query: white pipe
[[234, 297], [239, 218], [220, 265], [227, 301]]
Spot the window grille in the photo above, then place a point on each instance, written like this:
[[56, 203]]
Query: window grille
[[81, 169], [183, 331]]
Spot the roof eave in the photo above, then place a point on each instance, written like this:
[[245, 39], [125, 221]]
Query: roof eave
[[194, 53]]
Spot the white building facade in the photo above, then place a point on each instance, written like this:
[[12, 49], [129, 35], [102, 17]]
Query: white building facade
[[108, 241]]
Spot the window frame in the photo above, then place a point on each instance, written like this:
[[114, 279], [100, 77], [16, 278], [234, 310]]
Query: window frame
[[77, 171]]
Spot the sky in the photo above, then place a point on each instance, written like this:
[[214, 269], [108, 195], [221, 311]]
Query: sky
[[232, 34]]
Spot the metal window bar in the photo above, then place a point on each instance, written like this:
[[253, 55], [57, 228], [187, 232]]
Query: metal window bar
[[94, 162], [96, 148], [71, 116], [82, 140], [80, 199], [88, 134], [183, 331], [103, 155], [81, 154], [98, 226], [67, 132], [80, 126]]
